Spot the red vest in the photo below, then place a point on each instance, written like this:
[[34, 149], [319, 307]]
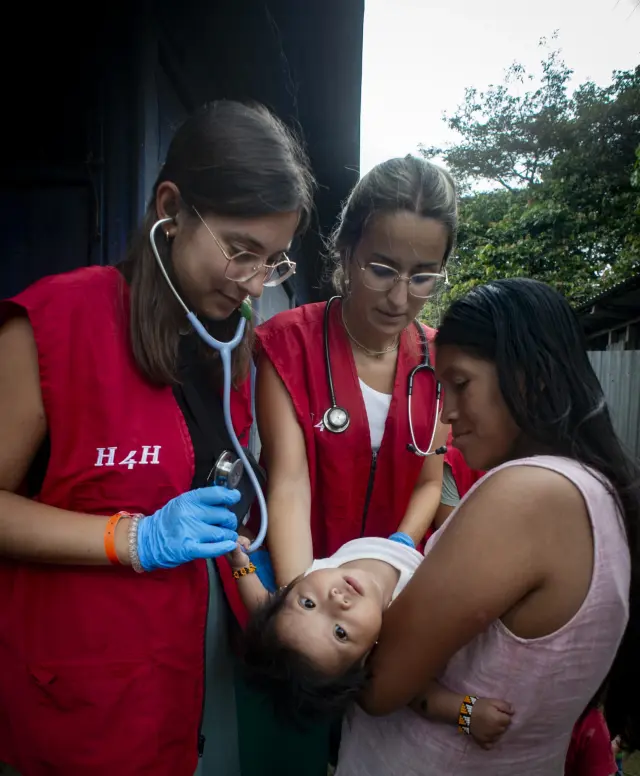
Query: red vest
[[348, 499], [101, 669], [464, 477]]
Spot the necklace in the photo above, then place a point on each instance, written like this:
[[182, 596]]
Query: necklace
[[367, 351]]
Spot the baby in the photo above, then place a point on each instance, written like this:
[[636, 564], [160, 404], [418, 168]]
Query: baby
[[307, 645]]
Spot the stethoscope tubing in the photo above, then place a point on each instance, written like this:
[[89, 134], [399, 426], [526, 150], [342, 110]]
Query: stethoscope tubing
[[224, 349], [412, 447]]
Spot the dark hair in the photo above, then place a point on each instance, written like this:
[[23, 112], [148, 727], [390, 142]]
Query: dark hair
[[408, 184], [594, 703], [230, 159], [300, 691], [548, 384]]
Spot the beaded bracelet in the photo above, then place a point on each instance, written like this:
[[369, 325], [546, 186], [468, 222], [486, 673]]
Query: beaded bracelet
[[237, 573], [464, 717], [133, 543]]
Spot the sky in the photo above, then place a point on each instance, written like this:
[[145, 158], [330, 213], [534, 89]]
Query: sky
[[420, 55]]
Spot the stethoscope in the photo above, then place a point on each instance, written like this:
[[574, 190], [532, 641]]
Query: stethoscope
[[336, 419], [228, 469]]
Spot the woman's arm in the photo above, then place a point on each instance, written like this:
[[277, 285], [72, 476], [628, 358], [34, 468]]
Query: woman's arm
[[28, 530], [493, 553], [426, 495], [288, 486]]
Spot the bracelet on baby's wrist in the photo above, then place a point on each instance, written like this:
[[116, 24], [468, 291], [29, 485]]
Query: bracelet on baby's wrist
[[243, 571], [464, 716]]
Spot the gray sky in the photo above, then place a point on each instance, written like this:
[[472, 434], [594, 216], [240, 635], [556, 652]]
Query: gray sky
[[419, 55]]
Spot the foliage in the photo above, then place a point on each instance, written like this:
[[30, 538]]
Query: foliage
[[508, 136], [564, 175]]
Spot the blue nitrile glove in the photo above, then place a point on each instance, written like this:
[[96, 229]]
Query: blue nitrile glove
[[262, 561], [193, 525], [403, 538]]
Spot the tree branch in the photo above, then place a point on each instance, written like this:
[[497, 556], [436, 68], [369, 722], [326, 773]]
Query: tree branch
[[502, 183]]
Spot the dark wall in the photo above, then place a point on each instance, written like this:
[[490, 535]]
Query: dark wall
[[67, 143], [92, 108]]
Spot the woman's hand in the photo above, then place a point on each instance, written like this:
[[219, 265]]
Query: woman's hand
[[194, 525]]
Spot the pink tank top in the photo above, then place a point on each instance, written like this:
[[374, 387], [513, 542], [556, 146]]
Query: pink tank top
[[548, 680]]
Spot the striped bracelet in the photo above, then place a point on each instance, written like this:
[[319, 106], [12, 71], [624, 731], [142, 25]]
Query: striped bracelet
[[464, 717]]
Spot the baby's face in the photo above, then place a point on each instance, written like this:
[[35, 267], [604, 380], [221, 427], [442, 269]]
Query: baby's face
[[333, 616]]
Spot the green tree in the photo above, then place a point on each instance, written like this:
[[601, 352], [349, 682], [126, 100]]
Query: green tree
[[559, 168], [508, 136]]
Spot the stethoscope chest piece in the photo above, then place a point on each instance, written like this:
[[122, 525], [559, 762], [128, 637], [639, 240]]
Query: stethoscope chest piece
[[228, 471], [336, 420]]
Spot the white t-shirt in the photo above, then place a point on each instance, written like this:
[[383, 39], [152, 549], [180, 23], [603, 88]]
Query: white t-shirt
[[402, 558], [377, 405]]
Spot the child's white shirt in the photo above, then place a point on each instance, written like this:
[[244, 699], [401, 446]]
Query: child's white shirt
[[402, 558]]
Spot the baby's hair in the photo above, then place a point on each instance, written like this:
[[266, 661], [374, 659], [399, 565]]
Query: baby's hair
[[300, 691]]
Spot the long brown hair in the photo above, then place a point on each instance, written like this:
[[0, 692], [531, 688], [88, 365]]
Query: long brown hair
[[231, 159]]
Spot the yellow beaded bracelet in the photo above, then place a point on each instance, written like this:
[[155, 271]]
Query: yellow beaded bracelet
[[237, 573]]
